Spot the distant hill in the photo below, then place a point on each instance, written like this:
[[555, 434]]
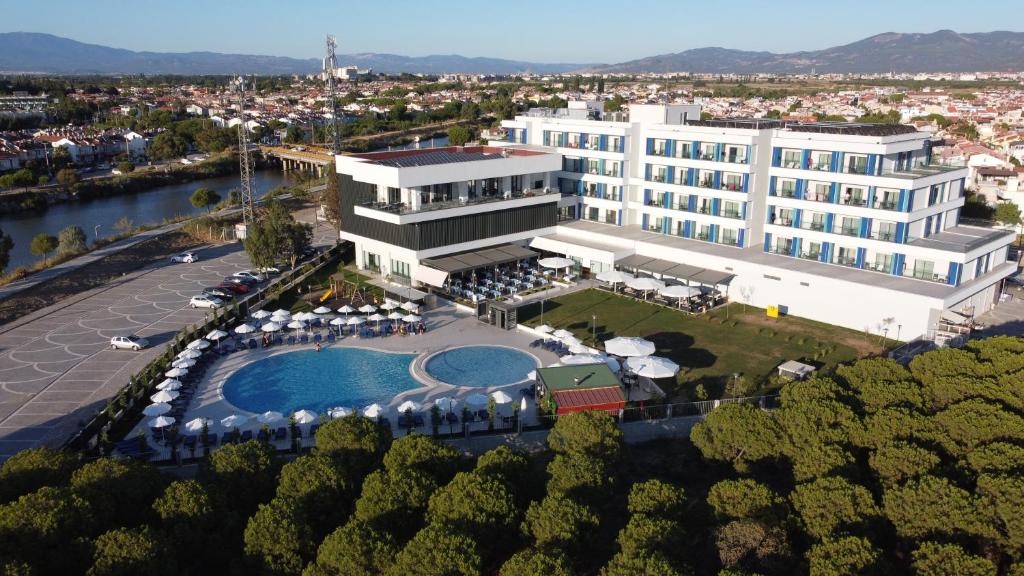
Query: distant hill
[[34, 52], [944, 50]]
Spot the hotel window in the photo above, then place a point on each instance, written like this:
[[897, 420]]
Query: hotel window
[[813, 221], [371, 261], [659, 173], [611, 216], [704, 206], [516, 183], [886, 231], [818, 191], [400, 269], [614, 193], [681, 202], [854, 196], [654, 224], [731, 209], [574, 140], [681, 149], [781, 217], [592, 165], [783, 246], [657, 199], [593, 213], [845, 256], [736, 154], [811, 251], [923, 270], [882, 263], [707, 151], [658, 147], [856, 164], [612, 168], [821, 161], [614, 144], [593, 141], [850, 226], [394, 195], [786, 188], [705, 178], [728, 236], [791, 158], [490, 187], [590, 189], [704, 232], [887, 199], [936, 194], [733, 182], [572, 164], [681, 228]]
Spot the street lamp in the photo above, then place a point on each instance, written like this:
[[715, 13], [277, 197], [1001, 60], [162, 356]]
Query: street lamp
[[593, 317], [95, 233], [542, 310]]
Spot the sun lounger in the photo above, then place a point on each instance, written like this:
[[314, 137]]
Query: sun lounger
[[330, 337], [291, 340], [317, 338], [303, 339], [252, 343], [278, 340]]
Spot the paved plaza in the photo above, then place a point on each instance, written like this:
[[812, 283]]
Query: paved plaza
[[56, 365]]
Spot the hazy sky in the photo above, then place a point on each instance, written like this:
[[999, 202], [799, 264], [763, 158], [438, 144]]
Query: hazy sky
[[598, 31]]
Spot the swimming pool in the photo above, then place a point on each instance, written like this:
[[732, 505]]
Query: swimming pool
[[480, 366], [318, 381]]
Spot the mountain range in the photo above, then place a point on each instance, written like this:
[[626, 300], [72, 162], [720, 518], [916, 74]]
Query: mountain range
[[945, 51], [35, 52], [942, 51]]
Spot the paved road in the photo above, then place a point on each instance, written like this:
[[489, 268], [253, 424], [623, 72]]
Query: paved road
[[56, 365]]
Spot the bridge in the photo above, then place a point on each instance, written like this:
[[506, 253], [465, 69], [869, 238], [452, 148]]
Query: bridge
[[309, 158]]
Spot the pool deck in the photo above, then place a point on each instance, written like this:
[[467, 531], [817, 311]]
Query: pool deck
[[446, 328]]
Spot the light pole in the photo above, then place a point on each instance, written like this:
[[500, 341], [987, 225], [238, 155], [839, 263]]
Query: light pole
[[593, 318], [898, 328], [542, 310], [95, 233]]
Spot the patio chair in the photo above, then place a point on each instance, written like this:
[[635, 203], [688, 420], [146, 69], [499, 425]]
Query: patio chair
[[252, 343], [303, 339], [278, 341], [291, 340], [281, 433], [330, 337], [317, 338]]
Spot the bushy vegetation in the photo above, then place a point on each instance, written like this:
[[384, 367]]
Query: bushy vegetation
[[879, 470]]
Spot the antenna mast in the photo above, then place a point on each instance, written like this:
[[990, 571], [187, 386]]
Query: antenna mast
[[245, 161], [330, 65]]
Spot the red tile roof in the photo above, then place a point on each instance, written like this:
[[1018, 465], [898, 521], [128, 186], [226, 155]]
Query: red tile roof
[[598, 398]]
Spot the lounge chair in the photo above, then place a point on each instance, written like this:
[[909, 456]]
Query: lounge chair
[[330, 337], [317, 338], [291, 340], [252, 343], [278, 341], [303, 339]]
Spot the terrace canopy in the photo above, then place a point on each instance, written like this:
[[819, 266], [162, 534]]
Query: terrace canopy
[[669, 269], [485, 258]]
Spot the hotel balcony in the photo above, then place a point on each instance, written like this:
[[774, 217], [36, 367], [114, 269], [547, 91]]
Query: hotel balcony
[[783, 249], [816, 256], [887, 236], [403, 213], [812, 225], [848, 231], [786, 193], [848, 261]]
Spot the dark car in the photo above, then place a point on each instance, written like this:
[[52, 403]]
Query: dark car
[[222, 293], [239, 280], [236, 288]]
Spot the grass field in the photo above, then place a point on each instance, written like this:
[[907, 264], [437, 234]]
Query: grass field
[[711, 348]]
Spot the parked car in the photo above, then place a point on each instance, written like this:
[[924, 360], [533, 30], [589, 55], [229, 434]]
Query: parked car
[[218, 292], [269, 271], [205, 302], [250, 274], [236, 288], [132, 342], [241, 280], [187, 257]]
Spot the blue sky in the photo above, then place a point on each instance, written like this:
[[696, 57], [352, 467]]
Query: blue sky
[[603, 31]]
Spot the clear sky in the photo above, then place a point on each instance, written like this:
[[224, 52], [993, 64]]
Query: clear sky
[[598, 31]]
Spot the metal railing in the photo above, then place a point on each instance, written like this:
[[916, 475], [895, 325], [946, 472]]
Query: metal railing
[[402, 208]]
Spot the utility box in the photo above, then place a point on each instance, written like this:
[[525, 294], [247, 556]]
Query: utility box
[[240, 232]]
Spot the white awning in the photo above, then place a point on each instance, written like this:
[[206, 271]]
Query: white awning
[[428, 275], [585, 249]]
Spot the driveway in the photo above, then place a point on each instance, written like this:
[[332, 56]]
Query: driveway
[[56, 365]]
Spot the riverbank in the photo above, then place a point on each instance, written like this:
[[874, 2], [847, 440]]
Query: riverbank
[[35, 200]]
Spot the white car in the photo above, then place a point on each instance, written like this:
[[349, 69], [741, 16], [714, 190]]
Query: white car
[[186, 257], [205, 302], [269, 271], [128, 343], [250, 274]]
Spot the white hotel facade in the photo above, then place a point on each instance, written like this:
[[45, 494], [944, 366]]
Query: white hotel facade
[[848, 224]]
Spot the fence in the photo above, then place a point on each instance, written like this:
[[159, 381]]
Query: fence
[[124, 408]]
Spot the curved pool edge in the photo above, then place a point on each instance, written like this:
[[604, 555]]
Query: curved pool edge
[[420, 365]]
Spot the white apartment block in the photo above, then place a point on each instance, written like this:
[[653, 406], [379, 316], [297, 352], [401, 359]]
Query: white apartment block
[[849, 224]]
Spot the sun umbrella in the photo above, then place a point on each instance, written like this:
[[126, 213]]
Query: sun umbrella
[[176, 372], [367, 308], [233, 421], [373, 410], [562, 333], [576, 359], [500, 397], [532, 375], [411, 318], [306, 417], [355, 321], [196, 424], [216, 335], [396, 316], [190, 354], [322, 310], [572, 341], [260, 314], [409, 405], [338, 321], [522, 405], [389, 305], [579, 349], [339, 412], [282, 320], [296, 324], [447, 403], [305, 316], [645, 284], [281, 312], [165, 396], [245, 329], [269, 417], [629, 346], [346, 309], [679, 291], [376, 318], [614, 276], [652, 366], [199, 344], [544, 329], [410, 306], [476, 400], [168, 384], [161, 422], [555, 262], [271, 327], [157, 409], [183, 363]]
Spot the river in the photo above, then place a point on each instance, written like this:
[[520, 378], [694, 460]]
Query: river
[[149, 207]]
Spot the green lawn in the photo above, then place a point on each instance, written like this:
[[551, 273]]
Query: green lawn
[[710, 347]]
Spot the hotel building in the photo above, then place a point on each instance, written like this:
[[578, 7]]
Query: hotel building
[[849, 224]]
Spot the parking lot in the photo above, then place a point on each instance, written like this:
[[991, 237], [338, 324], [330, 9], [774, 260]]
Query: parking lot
[[56, 365]]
